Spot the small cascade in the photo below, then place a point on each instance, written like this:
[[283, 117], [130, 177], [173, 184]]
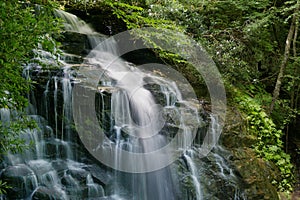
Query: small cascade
[[94, 190], [189, 156], [211, 170], [32, 107], [171, 93], [45, 173], [73, 23], [45, 100], [67, 103], [55, 105], [72, 185], [139, 111], [5, 115], [216, 172]]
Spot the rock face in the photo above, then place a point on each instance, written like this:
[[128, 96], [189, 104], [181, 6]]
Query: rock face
[[47, 194], [74, 43], [256, 173]]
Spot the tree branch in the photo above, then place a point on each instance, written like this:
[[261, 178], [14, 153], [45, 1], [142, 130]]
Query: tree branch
[[285, 59]]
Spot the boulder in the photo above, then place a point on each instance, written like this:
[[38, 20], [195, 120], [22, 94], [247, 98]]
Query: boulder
[[21, 179], [48, 194]]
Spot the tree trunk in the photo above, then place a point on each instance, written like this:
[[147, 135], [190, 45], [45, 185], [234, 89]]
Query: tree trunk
[[294, 87], [295, 67], [284, 61]]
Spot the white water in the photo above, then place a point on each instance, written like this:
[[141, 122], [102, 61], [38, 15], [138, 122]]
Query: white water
[[45, 100], [67, 104], [55, 106], [5, 115], [136, 114], [94, 190], [188, 155]]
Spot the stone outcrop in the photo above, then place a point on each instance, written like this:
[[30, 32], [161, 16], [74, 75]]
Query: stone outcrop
[[256, 173]]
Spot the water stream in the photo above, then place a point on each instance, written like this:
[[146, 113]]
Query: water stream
[[130, 103]]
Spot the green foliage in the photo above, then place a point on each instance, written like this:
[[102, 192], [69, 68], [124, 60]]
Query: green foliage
[[269, 144], [168, 32], [138, 17], [283, 114], [23, 28], [3, 187], [239, 35], [130, 14], [10, 140]]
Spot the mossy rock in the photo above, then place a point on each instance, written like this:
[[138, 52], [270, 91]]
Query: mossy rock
[[235, 133], [257, 174]]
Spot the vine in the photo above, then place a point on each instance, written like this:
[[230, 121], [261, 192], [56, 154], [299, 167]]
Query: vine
[[269, 145]]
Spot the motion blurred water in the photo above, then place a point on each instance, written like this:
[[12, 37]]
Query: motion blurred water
[[139, 111]]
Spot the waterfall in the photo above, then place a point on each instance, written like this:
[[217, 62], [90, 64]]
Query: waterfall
[[133, 114], [139, 111]]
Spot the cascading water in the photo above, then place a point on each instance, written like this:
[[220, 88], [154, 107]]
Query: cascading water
[[129, 102], [188, 156]]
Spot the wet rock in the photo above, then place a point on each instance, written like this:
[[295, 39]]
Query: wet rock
[[99, 175], [21, 179], [105, 198], [170, 130], [74, 43], [218, 178], [48, 194], [74, 182], [235, 133], [45, 173], [60, 166], [79, 174], [72, 58]]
